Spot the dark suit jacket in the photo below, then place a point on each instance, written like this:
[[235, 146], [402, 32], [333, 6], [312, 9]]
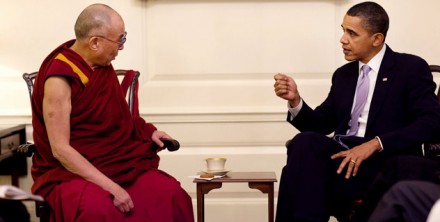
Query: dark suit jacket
[[404, 110]]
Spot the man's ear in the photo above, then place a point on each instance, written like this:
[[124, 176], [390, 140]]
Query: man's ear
[[94, 43], [378, 40]]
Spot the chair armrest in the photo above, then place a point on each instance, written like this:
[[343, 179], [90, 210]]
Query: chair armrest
[[432, 150], [170, 144], [26, 149]]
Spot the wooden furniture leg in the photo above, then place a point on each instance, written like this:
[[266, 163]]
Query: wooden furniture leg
[[269, 189], [202, 189]]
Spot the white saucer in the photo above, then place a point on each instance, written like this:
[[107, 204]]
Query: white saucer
[[216, 172]]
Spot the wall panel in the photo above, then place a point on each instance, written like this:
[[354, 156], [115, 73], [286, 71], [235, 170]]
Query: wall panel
[[206, 72]]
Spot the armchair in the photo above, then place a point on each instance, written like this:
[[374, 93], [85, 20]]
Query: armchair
[[343, 211], [129, 85], [432, 150]]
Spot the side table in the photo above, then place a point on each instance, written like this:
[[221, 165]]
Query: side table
[[263, 181], [11, 136]]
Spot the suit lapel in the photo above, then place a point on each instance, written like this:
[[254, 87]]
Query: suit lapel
[[345, 95], [384, 77], [351, 83]]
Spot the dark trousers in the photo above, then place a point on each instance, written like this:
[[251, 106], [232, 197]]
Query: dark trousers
[[13, 211], [407, 201], [397, 169], [310, 188]]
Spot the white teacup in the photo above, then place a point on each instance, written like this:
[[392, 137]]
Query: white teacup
[[215, 163]]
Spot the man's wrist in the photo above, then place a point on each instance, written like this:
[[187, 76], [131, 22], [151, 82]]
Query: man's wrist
[[380, 148], [294, 110], [295, 102]]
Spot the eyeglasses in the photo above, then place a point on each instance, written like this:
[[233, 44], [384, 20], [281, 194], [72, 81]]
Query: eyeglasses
[[120, 43]]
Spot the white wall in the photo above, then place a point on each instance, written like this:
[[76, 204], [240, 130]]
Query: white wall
[[206, 72]]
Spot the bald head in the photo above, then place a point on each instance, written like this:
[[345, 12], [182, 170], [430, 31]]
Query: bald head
[[96, 18]]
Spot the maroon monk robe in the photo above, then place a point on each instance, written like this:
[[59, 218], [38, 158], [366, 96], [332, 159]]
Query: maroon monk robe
[[106, 134]]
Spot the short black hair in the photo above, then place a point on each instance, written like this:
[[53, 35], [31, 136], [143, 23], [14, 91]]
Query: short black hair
[[374, 17]]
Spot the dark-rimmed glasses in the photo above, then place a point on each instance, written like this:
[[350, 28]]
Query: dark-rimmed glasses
[[120, 43]]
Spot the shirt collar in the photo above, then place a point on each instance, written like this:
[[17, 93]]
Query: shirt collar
[[375, 62]]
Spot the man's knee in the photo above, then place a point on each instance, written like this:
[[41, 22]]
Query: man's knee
[[409, 189], [173, 187], [402, 187], [97, 203], [161, 183], [100, 211]]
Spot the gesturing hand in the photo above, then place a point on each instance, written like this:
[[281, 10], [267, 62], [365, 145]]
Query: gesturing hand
[[354, 157], [285, 87]]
